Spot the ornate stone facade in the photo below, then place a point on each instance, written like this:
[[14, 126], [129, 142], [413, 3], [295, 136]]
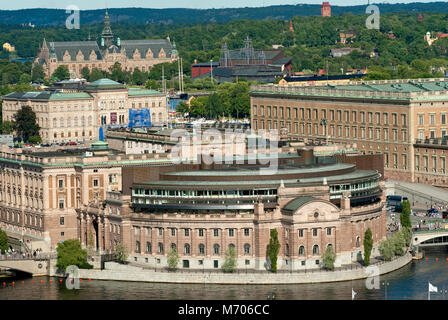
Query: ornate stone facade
[[103, 54]]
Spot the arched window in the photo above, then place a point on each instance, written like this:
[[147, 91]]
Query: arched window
[[160, 247], [231, 246], [358, 244], [148, 247], [301, 251], [216, 248], [315, 249], [186, 248], [247, 248], [201, 249], [55, 123], [173, 246], [330, 246]]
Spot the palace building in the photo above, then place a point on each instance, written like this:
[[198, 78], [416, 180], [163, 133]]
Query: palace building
[[398, 118], [78, 114], [104, 53]]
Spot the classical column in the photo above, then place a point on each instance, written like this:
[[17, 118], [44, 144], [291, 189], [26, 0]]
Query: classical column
[[107, 245]]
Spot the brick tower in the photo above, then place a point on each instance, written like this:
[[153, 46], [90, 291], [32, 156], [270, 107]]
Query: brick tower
[[325, 9]]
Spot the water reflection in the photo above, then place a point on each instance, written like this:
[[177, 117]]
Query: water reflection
[[410, 282]]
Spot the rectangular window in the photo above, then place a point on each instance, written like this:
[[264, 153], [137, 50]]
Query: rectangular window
[[60, 183], [231, 232], [443, 118], [95, 182], [61, 221], [386, 118], [300, 233], [246, 232], [173, 232], [432, 118], [201, 232], [420, 119], [215, 232], [354, 116], [187, 232], [328, 231], [61, 204], [160, 231], [314, 232]]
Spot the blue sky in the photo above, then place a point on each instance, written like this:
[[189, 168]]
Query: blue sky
[[202, 4]]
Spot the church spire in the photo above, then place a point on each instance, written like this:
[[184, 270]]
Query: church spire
[[107, 34]]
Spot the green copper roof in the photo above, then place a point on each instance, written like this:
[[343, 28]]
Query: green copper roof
[[403, 89], [142, 92], [99, 145], [70, 96], [295, 204], [104, 84]]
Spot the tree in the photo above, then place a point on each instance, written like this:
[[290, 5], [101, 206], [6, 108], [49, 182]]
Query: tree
[[85, 73], [387, 249], [25, 78], [173, 259], [6, 127], [230, 260], [70, 253], [399, 243], [138, 77], [273, 249], [329, 257], [25, 123], [96, 74], [407, 235], [37, 73], [152, 84], [368, 245], [405, 215], [3, 241], [121, 253], [61, 73], [35, 140]]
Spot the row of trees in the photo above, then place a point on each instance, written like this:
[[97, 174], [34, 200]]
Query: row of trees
[[229, 100]]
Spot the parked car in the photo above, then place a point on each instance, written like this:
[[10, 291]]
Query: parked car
[[432, 210], [72, 143]]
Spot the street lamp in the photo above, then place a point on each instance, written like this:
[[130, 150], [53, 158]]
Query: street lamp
[[385, 283], [211, 71]]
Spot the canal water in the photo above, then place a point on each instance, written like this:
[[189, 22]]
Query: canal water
[[409, 282]]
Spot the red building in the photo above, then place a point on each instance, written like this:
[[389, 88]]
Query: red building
[[199, 69], [325, 9], [420, 18]]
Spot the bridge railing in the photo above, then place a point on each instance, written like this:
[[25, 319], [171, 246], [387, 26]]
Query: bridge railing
[[17, 256]]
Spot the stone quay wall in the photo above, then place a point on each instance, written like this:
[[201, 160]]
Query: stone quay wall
[[118, 272]]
